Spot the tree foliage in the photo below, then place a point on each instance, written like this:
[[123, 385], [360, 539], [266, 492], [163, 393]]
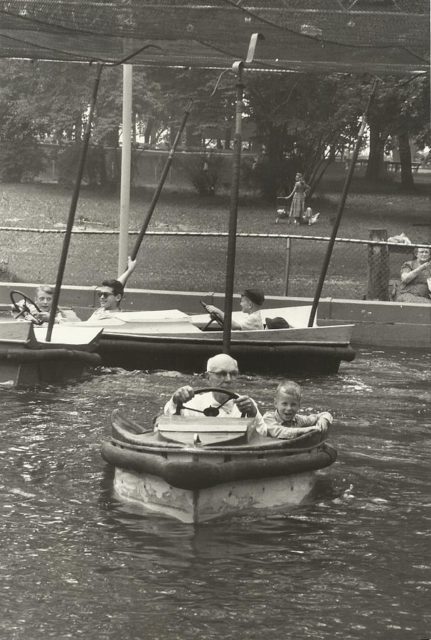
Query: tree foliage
[[300, 120]]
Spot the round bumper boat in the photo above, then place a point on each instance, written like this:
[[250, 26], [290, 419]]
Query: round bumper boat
[[197, 469]]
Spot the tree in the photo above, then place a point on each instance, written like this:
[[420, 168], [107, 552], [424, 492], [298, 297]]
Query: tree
[[19, 129], [400, 109], [301, 120], [412, 122]]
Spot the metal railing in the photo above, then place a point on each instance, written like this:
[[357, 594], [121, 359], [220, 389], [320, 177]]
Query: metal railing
[[283, 264]]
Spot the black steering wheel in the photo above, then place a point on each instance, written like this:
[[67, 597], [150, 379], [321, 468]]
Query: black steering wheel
[[209, 411], [214, 317], [24, 309]]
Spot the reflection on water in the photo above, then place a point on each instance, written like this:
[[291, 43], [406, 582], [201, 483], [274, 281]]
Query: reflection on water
[[352, 563]]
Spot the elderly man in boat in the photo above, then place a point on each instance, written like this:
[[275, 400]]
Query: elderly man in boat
[[222, 373], [250, 303]]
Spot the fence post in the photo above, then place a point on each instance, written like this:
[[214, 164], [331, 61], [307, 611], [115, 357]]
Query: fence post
[[378, 266], [287, 267]]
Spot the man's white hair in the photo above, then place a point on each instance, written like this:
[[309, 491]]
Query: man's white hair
[[220, 361]]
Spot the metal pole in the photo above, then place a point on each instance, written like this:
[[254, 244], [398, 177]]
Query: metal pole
[[340, 211], [126, 155], [161, 183], [233, 215], [236, 169], [287, 267], [73, 204]]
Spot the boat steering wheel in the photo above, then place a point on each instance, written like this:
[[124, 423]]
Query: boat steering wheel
[[210, 412], [214, 317], [24, 309]]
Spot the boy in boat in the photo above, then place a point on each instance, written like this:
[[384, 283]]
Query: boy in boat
[[44, 295], [222, 372], [111, 293], [285, 422], [250, 303]]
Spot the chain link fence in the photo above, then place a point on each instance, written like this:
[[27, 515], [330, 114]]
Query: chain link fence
[[192, 261]]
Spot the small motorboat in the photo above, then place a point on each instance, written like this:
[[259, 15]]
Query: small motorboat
[[200, 468], [171, 339]]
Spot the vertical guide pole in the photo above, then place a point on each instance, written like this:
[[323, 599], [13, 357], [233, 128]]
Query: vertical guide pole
[[233, 215], [73, 204], [126, 155], [287, 267], [340, 210]]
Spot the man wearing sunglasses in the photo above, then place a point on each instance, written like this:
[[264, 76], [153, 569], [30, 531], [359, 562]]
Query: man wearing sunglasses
[[111, 293], [222, 372]]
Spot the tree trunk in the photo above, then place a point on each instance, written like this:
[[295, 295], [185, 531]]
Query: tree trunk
[[274, 176], [148, 130], [134, 121], [375, 166], [192, 139], [319, 175], [112, 138], [405, 160], [227, 138], [77, 129]]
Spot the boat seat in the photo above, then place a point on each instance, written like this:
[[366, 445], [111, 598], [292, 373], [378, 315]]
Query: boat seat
[[276, 323]]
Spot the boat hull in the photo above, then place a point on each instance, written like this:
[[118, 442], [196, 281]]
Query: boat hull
[[195, 483], [26, 362], [201, 505], [319, 350], [44, 367]]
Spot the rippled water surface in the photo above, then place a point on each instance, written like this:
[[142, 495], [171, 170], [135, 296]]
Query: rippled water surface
[[352, 563]]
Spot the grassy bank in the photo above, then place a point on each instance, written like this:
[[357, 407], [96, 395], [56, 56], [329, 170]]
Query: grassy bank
[[199, 263]]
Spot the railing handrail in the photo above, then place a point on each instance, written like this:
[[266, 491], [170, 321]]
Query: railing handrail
[[220, 234]]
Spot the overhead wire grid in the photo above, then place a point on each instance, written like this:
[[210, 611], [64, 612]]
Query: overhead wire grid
[[333, 35]]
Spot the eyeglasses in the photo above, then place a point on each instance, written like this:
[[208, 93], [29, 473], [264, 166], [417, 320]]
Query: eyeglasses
[[104, 294], [224, 374]]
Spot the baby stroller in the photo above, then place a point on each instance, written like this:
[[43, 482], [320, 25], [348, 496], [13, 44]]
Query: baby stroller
[[282, 208]]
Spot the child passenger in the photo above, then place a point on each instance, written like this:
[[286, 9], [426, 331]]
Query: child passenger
[[285, 422]]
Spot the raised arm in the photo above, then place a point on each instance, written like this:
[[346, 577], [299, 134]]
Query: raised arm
[[131, 265]]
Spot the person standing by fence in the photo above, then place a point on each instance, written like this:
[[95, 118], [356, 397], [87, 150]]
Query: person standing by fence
[[416, 278], [298, 195]]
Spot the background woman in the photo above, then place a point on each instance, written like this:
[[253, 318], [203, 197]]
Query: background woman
[[415, 278], [299, 192]]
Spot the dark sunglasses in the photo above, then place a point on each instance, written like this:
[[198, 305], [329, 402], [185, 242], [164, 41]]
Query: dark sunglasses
[[104, 294]]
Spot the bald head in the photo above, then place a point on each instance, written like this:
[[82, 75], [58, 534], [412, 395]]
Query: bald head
[[222, 362]]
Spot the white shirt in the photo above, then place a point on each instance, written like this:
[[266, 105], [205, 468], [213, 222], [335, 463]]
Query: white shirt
[[103, 314], [251, 321], [203, 400], [276, 428]]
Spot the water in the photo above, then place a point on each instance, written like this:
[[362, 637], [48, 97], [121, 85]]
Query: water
[[352, 563]]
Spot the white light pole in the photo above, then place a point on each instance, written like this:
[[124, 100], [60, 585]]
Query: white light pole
[[126, 156]]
